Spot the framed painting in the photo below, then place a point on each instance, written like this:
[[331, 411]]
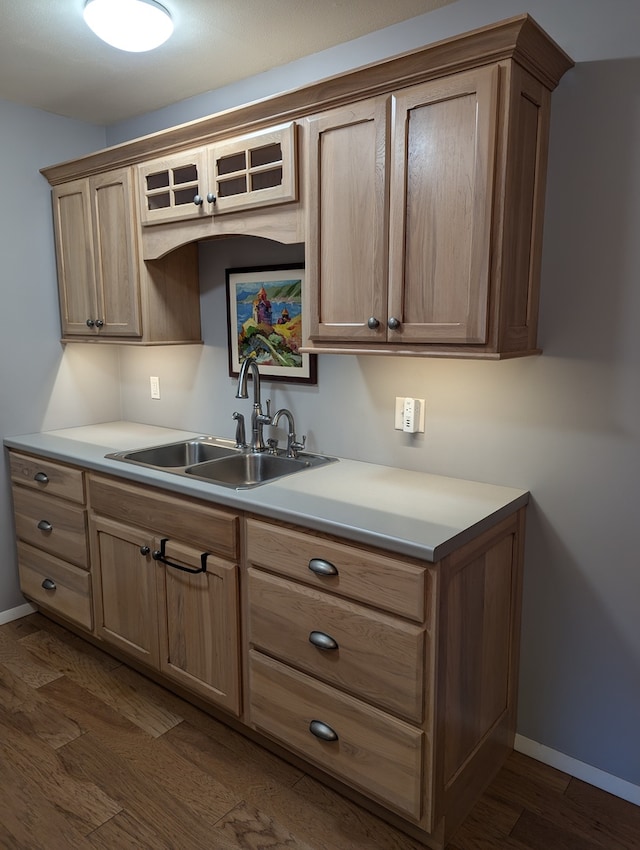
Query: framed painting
[[267, 321]]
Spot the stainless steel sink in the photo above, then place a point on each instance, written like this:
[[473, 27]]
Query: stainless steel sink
[[219, 462], [250, 469], [178, 454]]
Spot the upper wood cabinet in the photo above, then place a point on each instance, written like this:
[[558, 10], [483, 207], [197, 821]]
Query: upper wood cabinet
[[242, 173], [106, 291], [422, 184], [423, 217], [97, 259]]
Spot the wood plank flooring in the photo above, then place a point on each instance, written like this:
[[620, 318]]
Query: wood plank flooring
[[94, 755]]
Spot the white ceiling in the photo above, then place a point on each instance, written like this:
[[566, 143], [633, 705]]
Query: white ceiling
[[51, 60]]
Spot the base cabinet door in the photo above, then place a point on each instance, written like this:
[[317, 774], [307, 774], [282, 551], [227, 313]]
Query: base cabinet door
[[126, 597], [198, 623]]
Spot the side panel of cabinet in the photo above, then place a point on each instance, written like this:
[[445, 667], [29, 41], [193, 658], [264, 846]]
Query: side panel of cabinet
[[347, 222], [125, 588], [442, 171], [199, 642], [74, 253], [116, 258], [522, 217]]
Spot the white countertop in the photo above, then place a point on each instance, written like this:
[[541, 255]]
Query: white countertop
[[412, 513]]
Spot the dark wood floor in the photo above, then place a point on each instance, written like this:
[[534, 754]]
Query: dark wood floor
[[93, 755]]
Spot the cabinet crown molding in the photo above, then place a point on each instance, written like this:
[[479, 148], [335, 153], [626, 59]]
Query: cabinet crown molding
[[519, 38]]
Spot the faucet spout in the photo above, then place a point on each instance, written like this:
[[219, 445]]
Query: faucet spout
[[249, 364], [293, 444]]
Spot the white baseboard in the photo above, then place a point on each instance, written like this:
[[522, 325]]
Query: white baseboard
[[591, 775], [16, 613]]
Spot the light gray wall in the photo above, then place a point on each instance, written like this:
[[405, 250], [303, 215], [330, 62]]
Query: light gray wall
[[38, 387], [586, 29], [565, 425]]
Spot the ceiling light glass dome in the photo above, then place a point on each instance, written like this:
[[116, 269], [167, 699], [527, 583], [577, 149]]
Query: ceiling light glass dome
[[132, 25]]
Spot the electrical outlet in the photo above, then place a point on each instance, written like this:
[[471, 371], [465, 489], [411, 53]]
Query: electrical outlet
[[418, 425], [155, 386]]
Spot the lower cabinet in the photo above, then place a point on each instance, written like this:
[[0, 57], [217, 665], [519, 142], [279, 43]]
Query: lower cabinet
[[390, 678], [395, 677], [162, 600], [50, 515]]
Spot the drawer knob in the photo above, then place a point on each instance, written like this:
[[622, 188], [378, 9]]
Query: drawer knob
[[144, 550], [41, 478], [322, 731], [323, 641], [49, 584], [322, 568], [45, 525]]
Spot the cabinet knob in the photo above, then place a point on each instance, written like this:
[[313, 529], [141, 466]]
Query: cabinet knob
[[90, 323], [99, 323], [41, 478], [322, 730], [393, 324], [49, 584], [144, 550], [198, 200], [323, 641], [322, 568], [211, 198], [373, 323], [45, 525]]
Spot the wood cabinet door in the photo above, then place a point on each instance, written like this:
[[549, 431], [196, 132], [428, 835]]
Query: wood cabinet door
[[115, 254], [199, 641], [347, 222], [254, 170], [168, 186], [125, 586], [442, 175], [74, 255]]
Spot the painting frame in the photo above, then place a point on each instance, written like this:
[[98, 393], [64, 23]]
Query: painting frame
[[271, 329]]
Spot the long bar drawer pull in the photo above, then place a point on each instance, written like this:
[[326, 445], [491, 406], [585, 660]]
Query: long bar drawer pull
[[41, 477], [322, 568], [323, 641], [159, 555], [322, 731], [45, 525], [49, 584]]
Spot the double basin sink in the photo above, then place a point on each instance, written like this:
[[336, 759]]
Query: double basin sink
[[220, 462]]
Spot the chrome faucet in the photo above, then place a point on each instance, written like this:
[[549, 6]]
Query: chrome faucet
[[293, 446], [258, 418]]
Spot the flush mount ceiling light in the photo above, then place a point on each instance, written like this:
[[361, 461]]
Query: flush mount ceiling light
[[133, 25]]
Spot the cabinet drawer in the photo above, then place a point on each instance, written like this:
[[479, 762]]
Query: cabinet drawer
[[198, 523], [377, 657], [374, 752], [51, 524], [370, 577], [71, 594], [47, 477]]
